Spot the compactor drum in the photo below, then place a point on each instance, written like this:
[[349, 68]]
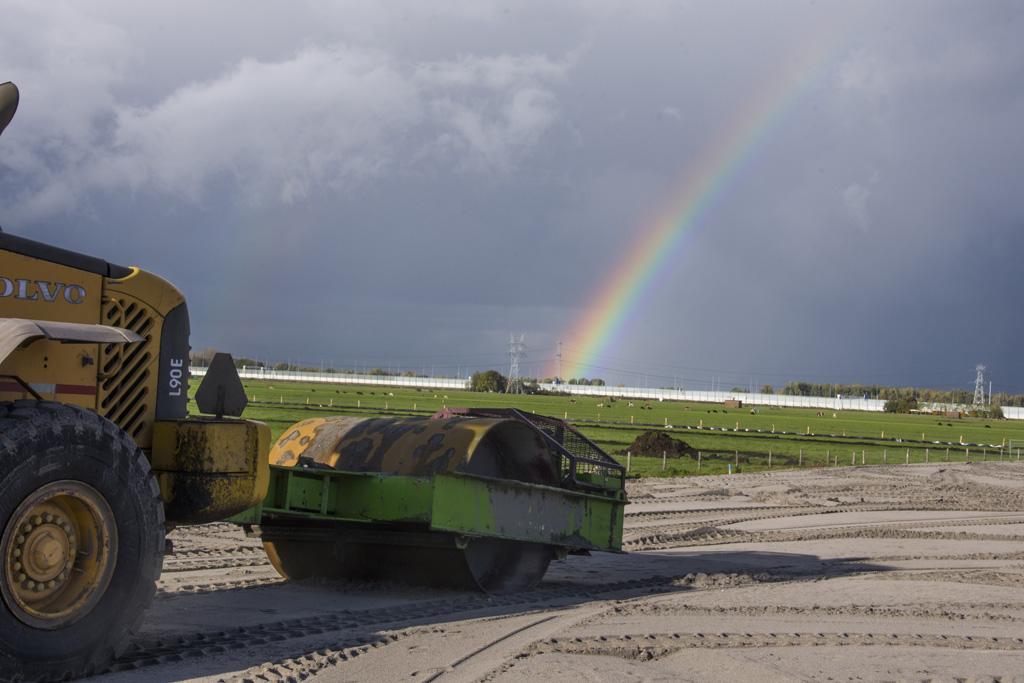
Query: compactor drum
[[418, 447]]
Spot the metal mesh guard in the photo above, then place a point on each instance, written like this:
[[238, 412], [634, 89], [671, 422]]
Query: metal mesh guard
[[584, 466]]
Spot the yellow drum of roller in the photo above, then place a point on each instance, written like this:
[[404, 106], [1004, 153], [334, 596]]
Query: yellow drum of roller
[[418, 447]]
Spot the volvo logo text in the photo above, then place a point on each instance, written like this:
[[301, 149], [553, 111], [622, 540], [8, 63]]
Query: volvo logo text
[[41, 290]]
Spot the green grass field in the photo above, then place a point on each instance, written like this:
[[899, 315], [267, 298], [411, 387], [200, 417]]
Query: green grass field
[[814, 438]]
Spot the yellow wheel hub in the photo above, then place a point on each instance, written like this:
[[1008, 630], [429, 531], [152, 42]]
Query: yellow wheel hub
[[59, 550]]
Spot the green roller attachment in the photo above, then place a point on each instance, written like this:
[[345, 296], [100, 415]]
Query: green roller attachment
[[465, 505], [485, 498]]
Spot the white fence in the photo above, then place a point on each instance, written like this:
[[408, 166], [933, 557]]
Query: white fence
[[339, 378], [780, 400], [1009, 412], [876, 405]]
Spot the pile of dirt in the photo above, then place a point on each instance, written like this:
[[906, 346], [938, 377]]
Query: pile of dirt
[[654, 443]]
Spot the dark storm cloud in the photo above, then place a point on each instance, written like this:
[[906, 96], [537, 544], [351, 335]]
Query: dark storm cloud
[[368, 182]]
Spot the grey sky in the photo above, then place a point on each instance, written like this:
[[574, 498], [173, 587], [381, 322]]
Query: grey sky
[[408, 183]]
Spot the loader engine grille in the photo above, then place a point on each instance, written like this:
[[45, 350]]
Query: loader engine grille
[[125, 372], [584, 465]]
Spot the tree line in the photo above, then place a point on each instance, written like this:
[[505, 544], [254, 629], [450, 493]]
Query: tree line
[[917, 394]]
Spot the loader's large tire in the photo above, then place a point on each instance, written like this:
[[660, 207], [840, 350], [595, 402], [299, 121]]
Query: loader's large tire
[[81, 514]]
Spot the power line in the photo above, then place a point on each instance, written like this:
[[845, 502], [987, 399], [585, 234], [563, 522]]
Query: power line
[[979, 386], [742, 374], [516, 352], [558, 355]]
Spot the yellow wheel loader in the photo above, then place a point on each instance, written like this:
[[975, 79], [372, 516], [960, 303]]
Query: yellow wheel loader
[[99, 459]]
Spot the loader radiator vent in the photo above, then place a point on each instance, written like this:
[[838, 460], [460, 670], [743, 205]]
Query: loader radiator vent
[[125, 370]]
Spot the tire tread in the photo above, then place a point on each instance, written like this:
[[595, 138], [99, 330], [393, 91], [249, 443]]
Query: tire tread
[[21, 422]]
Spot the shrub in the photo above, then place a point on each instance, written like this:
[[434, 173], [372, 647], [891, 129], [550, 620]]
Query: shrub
[[901, 405], [488, 380]]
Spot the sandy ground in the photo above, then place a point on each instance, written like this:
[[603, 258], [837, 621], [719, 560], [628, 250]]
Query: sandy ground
[[868, 574]]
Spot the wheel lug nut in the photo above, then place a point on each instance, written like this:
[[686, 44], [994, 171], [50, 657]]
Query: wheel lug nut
[[27, 528], [17, 552], [51, 583], [30, 585], [21, 577], [47, 517], [20, 539], [38, 588], [17, 566], [37, 520]]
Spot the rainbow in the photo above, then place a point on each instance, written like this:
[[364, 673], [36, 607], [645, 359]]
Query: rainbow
[[701, 184]]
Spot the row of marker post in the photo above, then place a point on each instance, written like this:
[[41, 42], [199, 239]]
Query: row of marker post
[[830, 459]]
